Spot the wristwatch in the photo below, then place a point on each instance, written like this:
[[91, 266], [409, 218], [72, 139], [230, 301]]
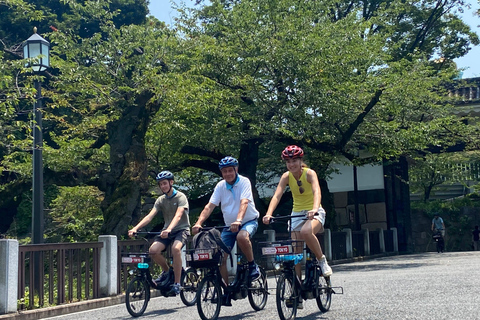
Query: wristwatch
[[239, 220]]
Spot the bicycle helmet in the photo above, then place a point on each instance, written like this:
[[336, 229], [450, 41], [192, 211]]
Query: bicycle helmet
[[292, 152], [164, 175], [228, 162]]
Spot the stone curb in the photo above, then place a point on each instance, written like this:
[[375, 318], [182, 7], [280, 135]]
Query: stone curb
[[110, 301]]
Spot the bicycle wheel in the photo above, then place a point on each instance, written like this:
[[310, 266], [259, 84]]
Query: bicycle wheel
[[258, 291], [209, 299], [324, 293], [137, 296], [189, 283], [287, 299]]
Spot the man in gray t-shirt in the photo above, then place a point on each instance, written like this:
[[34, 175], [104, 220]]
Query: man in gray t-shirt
[[437, 224], [174, 206]]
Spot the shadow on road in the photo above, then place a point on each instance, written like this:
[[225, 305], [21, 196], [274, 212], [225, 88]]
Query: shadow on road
[[245, 315], [393, 263], [154, 313]]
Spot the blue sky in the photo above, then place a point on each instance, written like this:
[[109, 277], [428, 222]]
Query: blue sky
[[162, 10]]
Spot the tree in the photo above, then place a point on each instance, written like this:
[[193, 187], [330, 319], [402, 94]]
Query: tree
[[429, 172], [245, 79], [96, 95], [331, 76], [18, 17]]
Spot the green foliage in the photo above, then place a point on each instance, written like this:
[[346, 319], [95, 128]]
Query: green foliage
[[75, 215], [428, 174], [276, 72], [128, 95]]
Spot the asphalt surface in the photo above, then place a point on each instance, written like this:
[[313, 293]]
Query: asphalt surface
[[419, 286]]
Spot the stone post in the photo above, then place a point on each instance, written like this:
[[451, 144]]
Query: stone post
[[8, 275], [381, 239], [108, 266], [366, 240], [348, 242], [395, 239], [327, 238]]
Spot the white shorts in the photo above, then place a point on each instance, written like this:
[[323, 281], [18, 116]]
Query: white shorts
[[297, 223]]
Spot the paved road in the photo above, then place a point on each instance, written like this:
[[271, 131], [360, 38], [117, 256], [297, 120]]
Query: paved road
[[420, 286]]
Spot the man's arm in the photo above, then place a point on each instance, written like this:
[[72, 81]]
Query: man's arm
[[203, 216], [235, 226], [145, 221], [176, 219]]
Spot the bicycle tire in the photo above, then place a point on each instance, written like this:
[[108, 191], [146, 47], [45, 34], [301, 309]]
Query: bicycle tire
[[287, 298], [209, 299], [324, 293], [189, 282], [258, 291], [137, 296]]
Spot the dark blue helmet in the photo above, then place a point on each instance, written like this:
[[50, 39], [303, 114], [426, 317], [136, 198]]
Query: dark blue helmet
[[228, 162], [164, 175]]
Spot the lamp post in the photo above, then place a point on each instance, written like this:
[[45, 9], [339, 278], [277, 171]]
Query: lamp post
[[355, 193], [37, 48]]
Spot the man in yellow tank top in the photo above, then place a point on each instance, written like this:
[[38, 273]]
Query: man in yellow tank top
[[303, 183]]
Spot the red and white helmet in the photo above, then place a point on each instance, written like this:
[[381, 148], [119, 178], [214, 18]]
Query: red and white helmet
[[292, 152]]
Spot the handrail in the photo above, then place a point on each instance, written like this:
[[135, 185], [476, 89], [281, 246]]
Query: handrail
[[64, 272]]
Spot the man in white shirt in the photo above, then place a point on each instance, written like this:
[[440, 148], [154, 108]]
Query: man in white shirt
[[234, 195]]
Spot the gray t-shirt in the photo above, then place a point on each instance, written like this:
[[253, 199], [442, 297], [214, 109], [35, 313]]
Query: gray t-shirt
[[438, 223], [168, 207]]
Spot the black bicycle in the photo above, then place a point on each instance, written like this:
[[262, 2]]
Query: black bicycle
[[213, 292], [137, 294], [291, 291], [438, 238]]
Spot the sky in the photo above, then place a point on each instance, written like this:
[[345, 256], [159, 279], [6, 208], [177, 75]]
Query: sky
[[162, 10]]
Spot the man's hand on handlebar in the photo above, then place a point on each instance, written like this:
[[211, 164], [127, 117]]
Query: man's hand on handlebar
[[132, 233], [267, 219], [164, 234], [235, 226], [196, 229]]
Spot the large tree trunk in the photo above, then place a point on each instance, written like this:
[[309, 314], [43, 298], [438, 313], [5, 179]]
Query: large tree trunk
[[248, 161], [127, 179]]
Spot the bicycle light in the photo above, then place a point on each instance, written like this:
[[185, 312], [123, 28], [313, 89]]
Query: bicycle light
[[277, 266]]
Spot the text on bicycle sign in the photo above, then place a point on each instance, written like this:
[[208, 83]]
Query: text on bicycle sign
[[277, 250], [202, 256], [132, 259]]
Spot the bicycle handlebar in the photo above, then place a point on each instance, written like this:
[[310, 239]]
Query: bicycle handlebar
[[214, 227], [289, 217]]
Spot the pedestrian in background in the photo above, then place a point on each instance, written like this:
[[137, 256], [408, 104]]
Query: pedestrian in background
[[475, 238]]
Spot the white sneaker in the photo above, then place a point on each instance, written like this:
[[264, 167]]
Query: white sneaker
[[326, 270]]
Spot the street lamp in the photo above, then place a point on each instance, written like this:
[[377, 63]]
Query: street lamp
[[37, 49]]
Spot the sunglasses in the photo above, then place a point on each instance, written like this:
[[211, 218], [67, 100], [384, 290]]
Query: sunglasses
[[300, 188]]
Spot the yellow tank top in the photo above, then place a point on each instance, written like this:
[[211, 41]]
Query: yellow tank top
[[301, 201]]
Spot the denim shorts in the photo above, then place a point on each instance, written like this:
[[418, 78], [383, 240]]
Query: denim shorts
[[229, 238]]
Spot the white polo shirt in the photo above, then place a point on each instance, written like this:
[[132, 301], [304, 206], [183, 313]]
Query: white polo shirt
[[229, 199]]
